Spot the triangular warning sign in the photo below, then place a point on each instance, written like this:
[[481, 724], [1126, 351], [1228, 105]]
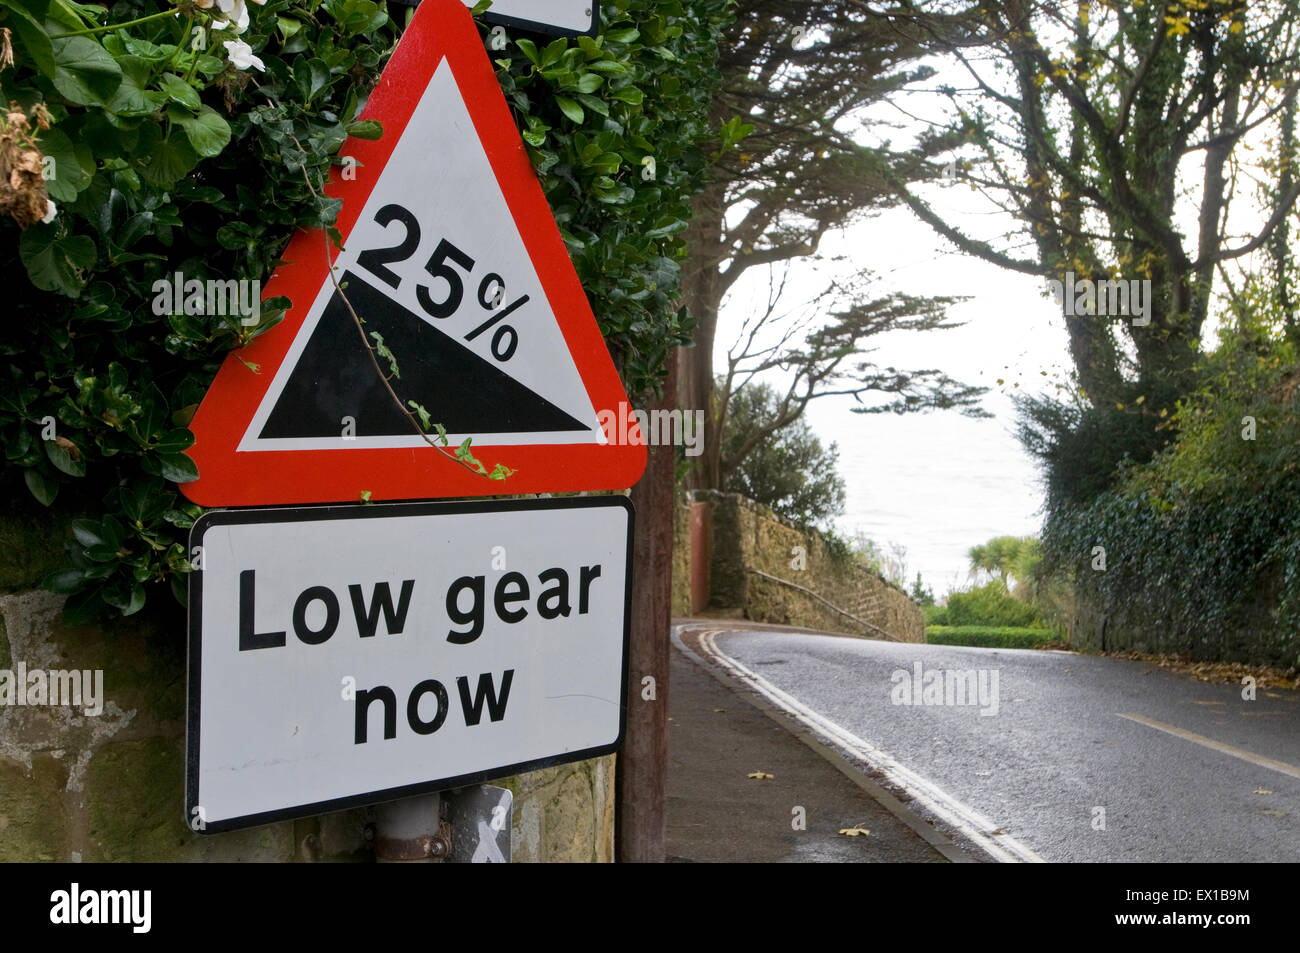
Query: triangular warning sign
[[453, 261]]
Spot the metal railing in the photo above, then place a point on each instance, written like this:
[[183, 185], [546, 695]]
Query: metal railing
[[826, 602]]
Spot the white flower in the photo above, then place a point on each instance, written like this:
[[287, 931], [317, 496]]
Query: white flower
[[50, 211], [236, 16], [241, 55], [236, 13]]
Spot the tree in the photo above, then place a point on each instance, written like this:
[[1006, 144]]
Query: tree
[[819, 351], [921, 592], [888, 561], [1005, 558], [798, 72], [789, 470], [1101, 128]]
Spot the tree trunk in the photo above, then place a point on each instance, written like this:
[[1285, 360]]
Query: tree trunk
[[642, 767], [701, 293]]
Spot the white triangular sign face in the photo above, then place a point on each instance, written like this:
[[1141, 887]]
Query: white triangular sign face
[[437, 193], [453, 271]]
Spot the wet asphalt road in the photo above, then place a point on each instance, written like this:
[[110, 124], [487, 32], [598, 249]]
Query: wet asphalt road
[[1058, 747]]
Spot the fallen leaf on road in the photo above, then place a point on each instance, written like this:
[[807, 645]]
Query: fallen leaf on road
[[1262, 791], [854, 831], [760, 775], [719, 709], [1272, 813]]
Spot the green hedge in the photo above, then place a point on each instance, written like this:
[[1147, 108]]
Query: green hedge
[[988, 636], [1198, 551], [180, 145]]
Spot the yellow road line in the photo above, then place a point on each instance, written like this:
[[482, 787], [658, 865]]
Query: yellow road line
[[1219, 746]]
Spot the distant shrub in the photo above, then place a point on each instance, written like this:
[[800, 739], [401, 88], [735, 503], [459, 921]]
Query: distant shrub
[[990, 605], [988, 636], [936, 615]]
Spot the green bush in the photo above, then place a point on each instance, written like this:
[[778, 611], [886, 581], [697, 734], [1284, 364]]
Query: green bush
[[1202, 544], [789, 471], [935, 615], [182, 143], [990, 605], [174, 143], [987, 636]]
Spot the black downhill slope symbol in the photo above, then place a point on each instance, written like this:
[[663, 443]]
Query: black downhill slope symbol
[[334, 378]]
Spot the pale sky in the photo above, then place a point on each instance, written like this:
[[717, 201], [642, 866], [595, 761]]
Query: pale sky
[[935, 483]]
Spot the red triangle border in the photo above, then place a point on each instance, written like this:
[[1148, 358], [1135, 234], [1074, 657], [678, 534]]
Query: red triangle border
[[228, 477]]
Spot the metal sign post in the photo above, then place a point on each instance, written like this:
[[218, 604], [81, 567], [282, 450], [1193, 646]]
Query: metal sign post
[[461, 826], [411, 831]]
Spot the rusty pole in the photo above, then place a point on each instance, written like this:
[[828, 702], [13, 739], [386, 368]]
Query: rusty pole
[[411, 831]]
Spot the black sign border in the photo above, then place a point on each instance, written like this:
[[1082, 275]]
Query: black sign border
[[295, 514], [535, 26], [532, 26]]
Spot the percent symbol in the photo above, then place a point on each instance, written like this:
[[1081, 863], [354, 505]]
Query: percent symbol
[[490, 298], [442, 265]]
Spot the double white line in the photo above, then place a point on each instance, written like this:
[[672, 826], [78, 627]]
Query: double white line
[[966, 821]]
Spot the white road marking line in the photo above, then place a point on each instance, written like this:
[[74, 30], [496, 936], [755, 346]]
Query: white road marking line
[[1219, 746], [969, 822]]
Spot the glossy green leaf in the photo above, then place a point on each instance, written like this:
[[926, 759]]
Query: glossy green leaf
[[56, 263], [85, 72], [207, 132]]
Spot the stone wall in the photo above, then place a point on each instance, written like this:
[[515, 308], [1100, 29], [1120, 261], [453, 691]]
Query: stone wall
[[1249, 634], [681, 602], [111, 787], [761, 566]]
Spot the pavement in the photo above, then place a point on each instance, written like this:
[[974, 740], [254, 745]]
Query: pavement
[[720, 733]]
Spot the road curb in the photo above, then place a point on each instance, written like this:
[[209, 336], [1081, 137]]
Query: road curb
[[913, 821]]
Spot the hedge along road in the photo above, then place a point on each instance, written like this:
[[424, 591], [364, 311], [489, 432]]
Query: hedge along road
[[1041, 755]]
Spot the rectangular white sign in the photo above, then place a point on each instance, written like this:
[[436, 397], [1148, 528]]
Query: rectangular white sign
[[347, 655], [544, 16]]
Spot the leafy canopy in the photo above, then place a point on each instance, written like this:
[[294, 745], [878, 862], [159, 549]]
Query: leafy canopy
[[789, 470]]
